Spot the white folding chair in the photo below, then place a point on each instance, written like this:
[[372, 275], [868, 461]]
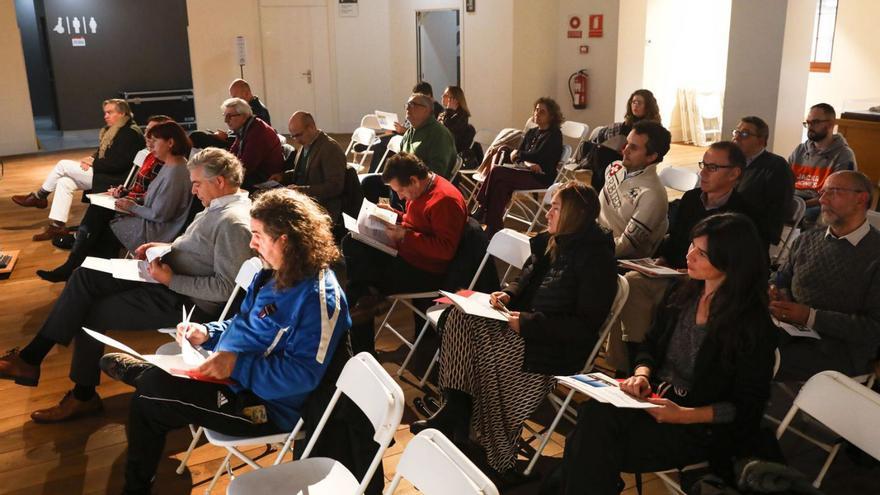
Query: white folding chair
[[509, 246], [613, 313], [469, 178], [679, 179], [779, 252], [844, 406], [365, 137], [433, 464], [137, 163], [527, 205], [243, 280], [282, 139], [370, 121], [374, 391], [392, 148], [577, 132], [874, 218]]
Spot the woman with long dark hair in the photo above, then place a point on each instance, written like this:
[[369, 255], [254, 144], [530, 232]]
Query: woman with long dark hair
[[708, 359], [538, 156], [455, 117], [494, 374]]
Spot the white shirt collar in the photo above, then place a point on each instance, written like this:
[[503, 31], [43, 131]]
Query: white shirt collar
[[229, 198], [854, 237]]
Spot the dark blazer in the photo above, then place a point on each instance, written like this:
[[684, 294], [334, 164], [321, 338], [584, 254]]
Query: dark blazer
[[260, 110], [323, 174], [767, 186], [745, 382], [118, 158], [543, 148], [564, 303]]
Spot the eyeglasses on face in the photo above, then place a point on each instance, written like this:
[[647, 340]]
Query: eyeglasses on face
[[742, 134], [811, 123], [835, 191], [411, 104], [227, 116], [712, 167]]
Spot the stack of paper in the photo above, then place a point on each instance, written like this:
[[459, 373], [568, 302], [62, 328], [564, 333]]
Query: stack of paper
[[604, 389], [476, 304], [123, 269], [103, 200]]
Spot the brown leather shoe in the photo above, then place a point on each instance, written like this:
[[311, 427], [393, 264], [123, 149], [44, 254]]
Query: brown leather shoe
[[13, 368], [30, 201], [69, 408], [50, 232]]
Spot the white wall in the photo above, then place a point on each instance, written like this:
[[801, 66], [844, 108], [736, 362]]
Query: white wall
[[686, 47], [213, 26], [794, 74], [855, 61], [600, 62], [630, 52], [18, 135], [534, 70]]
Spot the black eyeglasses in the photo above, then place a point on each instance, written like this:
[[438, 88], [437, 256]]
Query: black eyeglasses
[[712, 167], [742, 134], [227, 116], [810, 123]]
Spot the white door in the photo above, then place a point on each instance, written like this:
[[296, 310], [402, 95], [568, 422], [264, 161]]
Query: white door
[[438, 47], [295, 62]]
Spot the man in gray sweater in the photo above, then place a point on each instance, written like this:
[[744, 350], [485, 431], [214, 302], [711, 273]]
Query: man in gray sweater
[[831, 283], [199, 270]]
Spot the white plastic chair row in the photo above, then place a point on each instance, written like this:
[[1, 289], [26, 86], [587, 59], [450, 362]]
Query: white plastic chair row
[[365, 137], [613, 313], [679, 179], [392, 148], [779, 252], [527, 205], [378, 396]]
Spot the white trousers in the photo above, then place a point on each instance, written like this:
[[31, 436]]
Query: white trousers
[[66, 178]]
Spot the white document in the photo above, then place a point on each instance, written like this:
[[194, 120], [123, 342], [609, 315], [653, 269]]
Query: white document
[[103, 200], [168, 363], [386, 119], [604, 389], [98, 264], [157, 252], [134, 270], [370, 225], [518, 165], [476, 304], [646, 266], [797, 330]]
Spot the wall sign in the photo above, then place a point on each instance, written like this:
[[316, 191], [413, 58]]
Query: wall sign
[[348, 8], [76, 26], [584, 49], [596, 26], [574, 22], [575, 34]]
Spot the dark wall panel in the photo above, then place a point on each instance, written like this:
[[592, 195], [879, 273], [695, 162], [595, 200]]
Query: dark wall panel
[[136, 45]]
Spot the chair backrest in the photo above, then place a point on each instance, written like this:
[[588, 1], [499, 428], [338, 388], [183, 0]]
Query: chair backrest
[[485, 137], [370, 121], [874, 218], [616, 307], [595, 134], [509, 246], [282, 139], [436, 466], [679, 179], [394, 143], [845, 406], [376, 394], [798, 210], [456, 166], [566, 154], [363, 136], [243, 279], [287, 151], [575, 130]]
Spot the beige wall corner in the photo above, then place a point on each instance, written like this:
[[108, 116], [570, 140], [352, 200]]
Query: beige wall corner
[[18, 135], [794, 73]]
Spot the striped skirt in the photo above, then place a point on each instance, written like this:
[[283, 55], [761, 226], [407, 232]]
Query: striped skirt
[[484, 358]]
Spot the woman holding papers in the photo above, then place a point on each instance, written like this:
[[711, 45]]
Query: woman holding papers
[[494, 374], [708, 360], [539, 154]]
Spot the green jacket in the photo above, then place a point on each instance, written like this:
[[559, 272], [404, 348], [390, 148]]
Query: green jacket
[[433, 144]]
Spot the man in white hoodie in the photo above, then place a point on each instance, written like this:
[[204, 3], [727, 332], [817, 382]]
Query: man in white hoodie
[[634, 201]]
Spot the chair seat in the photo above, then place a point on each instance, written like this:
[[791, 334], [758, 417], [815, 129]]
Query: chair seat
[[314, 476], [434, 313], [531, 191], [223, 440], [415, 295]]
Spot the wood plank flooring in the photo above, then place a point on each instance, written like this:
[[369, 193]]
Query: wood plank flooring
[[87, 456]]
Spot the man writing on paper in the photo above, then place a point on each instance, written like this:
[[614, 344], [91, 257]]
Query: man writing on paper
[[831, 283], [275, 351], [200, 270], [426, 240]]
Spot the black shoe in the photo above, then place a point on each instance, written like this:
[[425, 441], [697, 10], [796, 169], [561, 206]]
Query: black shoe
[[60, 274], [453, 419], [479, 214], [64, 241], [123, 367]]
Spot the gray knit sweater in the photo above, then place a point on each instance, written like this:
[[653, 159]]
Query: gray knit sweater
[[206, 258], [842, 283]]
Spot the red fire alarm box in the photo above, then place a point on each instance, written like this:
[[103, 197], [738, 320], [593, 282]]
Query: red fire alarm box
[[595, 26]]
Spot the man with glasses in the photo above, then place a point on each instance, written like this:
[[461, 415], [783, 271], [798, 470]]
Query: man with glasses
[[822, 154], [831, 283], [767, 184], [256, 143], [720, 170]]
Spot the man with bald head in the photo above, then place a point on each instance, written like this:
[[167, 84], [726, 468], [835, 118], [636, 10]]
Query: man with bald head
[[241, 89], [831, 283], [318, 165]]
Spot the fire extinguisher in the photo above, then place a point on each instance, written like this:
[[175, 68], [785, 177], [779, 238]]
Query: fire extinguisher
[[577, 87]]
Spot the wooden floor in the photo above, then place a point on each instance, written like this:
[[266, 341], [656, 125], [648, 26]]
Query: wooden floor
[[88, 455]]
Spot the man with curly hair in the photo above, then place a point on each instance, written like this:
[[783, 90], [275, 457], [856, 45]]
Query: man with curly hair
[[269, 357]]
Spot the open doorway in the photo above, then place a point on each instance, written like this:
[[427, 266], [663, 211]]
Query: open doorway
[[438, 44]]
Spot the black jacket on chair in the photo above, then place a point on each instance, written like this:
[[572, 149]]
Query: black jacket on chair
[[563, 303], [113, 168]]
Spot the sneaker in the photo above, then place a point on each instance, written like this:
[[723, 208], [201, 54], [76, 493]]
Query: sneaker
[[123, 367]]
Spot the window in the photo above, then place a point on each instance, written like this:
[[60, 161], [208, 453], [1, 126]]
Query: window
[[823, 36]]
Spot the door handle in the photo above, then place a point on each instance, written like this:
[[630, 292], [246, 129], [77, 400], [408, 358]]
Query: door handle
[[308, 75]]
